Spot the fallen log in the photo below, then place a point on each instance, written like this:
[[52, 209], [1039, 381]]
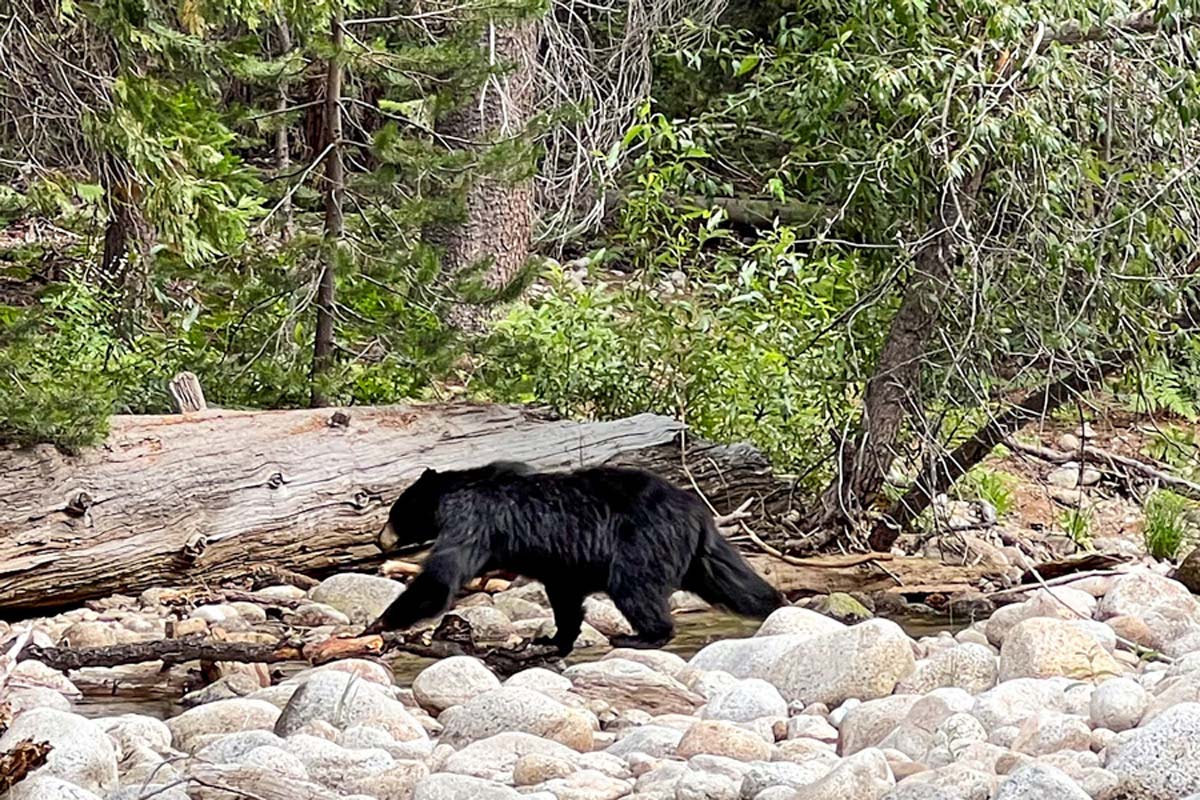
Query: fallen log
[[194, 498]]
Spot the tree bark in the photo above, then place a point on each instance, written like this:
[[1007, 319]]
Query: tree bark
[[181, 499], [865, 460], [335, 187], [283, 154], [498, 215], [891, 391], [126, 232]]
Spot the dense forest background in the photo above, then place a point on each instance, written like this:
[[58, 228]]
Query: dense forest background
[[873, 238]]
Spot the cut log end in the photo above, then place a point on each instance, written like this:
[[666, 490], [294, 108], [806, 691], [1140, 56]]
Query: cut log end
[[187, 396]]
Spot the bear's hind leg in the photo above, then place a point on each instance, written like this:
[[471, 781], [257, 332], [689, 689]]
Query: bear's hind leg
[[646, 608]]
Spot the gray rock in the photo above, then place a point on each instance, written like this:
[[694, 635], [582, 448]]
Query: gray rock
[[314, 615], [602, 614], [971, 667], [511, 708], [366, 737], [657, 660], [766, 774], [197, 726], [216, 614], [755, 657], [89, 634], [1049, 732], [653, 740], [518, 608], [1139, 593], [342, 699], [539, 679], [587, 785], [863, 662], [911, 790], [797, 621], [451, 682], [1041, 647], [447, 786], [959, 730], [487, 624], [81, 752], [150, 791], [810, 726], [140, 764], [1012, 701], [495, 757], [362, 598], [964, 779], [47, 787], [867, 724], [1039, 782], [127, 730], [625, 684], [862, 776], [1161, 759], [22, 699], [275, 759], [746, 700], [696, 785], [1118, 704], [230, 749], [332, 765]]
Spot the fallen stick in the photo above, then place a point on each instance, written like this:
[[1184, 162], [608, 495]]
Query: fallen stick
[[1097, 456], [451, 638], [1064, 580]]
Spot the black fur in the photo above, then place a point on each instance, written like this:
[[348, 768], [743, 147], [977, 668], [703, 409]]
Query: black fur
[[623, 531]]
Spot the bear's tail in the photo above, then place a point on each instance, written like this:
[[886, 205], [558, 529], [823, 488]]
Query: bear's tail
[[720, 576]]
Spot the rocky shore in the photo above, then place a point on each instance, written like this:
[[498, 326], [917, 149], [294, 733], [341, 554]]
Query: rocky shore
[[1088, 690]]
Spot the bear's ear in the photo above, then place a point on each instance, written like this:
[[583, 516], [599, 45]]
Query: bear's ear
[[429, 473]]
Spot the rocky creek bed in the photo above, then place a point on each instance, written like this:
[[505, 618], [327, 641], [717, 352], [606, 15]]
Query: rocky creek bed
[[1056, 697]]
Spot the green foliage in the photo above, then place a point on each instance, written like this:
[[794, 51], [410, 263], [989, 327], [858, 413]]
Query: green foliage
[[1077, 524], [1169, 384], [1168, 523], [1176, 446], [197, 194], [992, 486], [53, 386], [729, 349]]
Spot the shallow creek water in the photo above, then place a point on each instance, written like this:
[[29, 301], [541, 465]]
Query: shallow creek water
[[156, 695]]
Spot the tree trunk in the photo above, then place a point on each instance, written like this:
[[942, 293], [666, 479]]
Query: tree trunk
[[497, 224], [335, 187], [283, 155], [188, 498], [891, 391], [126, 232]]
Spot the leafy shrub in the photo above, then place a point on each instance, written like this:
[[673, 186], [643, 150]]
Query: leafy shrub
[[1168, 524], [991, 486], [53, 385], [723, 353]]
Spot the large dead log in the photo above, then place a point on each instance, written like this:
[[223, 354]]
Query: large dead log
[[179, 499]]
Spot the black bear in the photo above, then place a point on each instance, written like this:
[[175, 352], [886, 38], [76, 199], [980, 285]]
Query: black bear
[[622, 531]]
